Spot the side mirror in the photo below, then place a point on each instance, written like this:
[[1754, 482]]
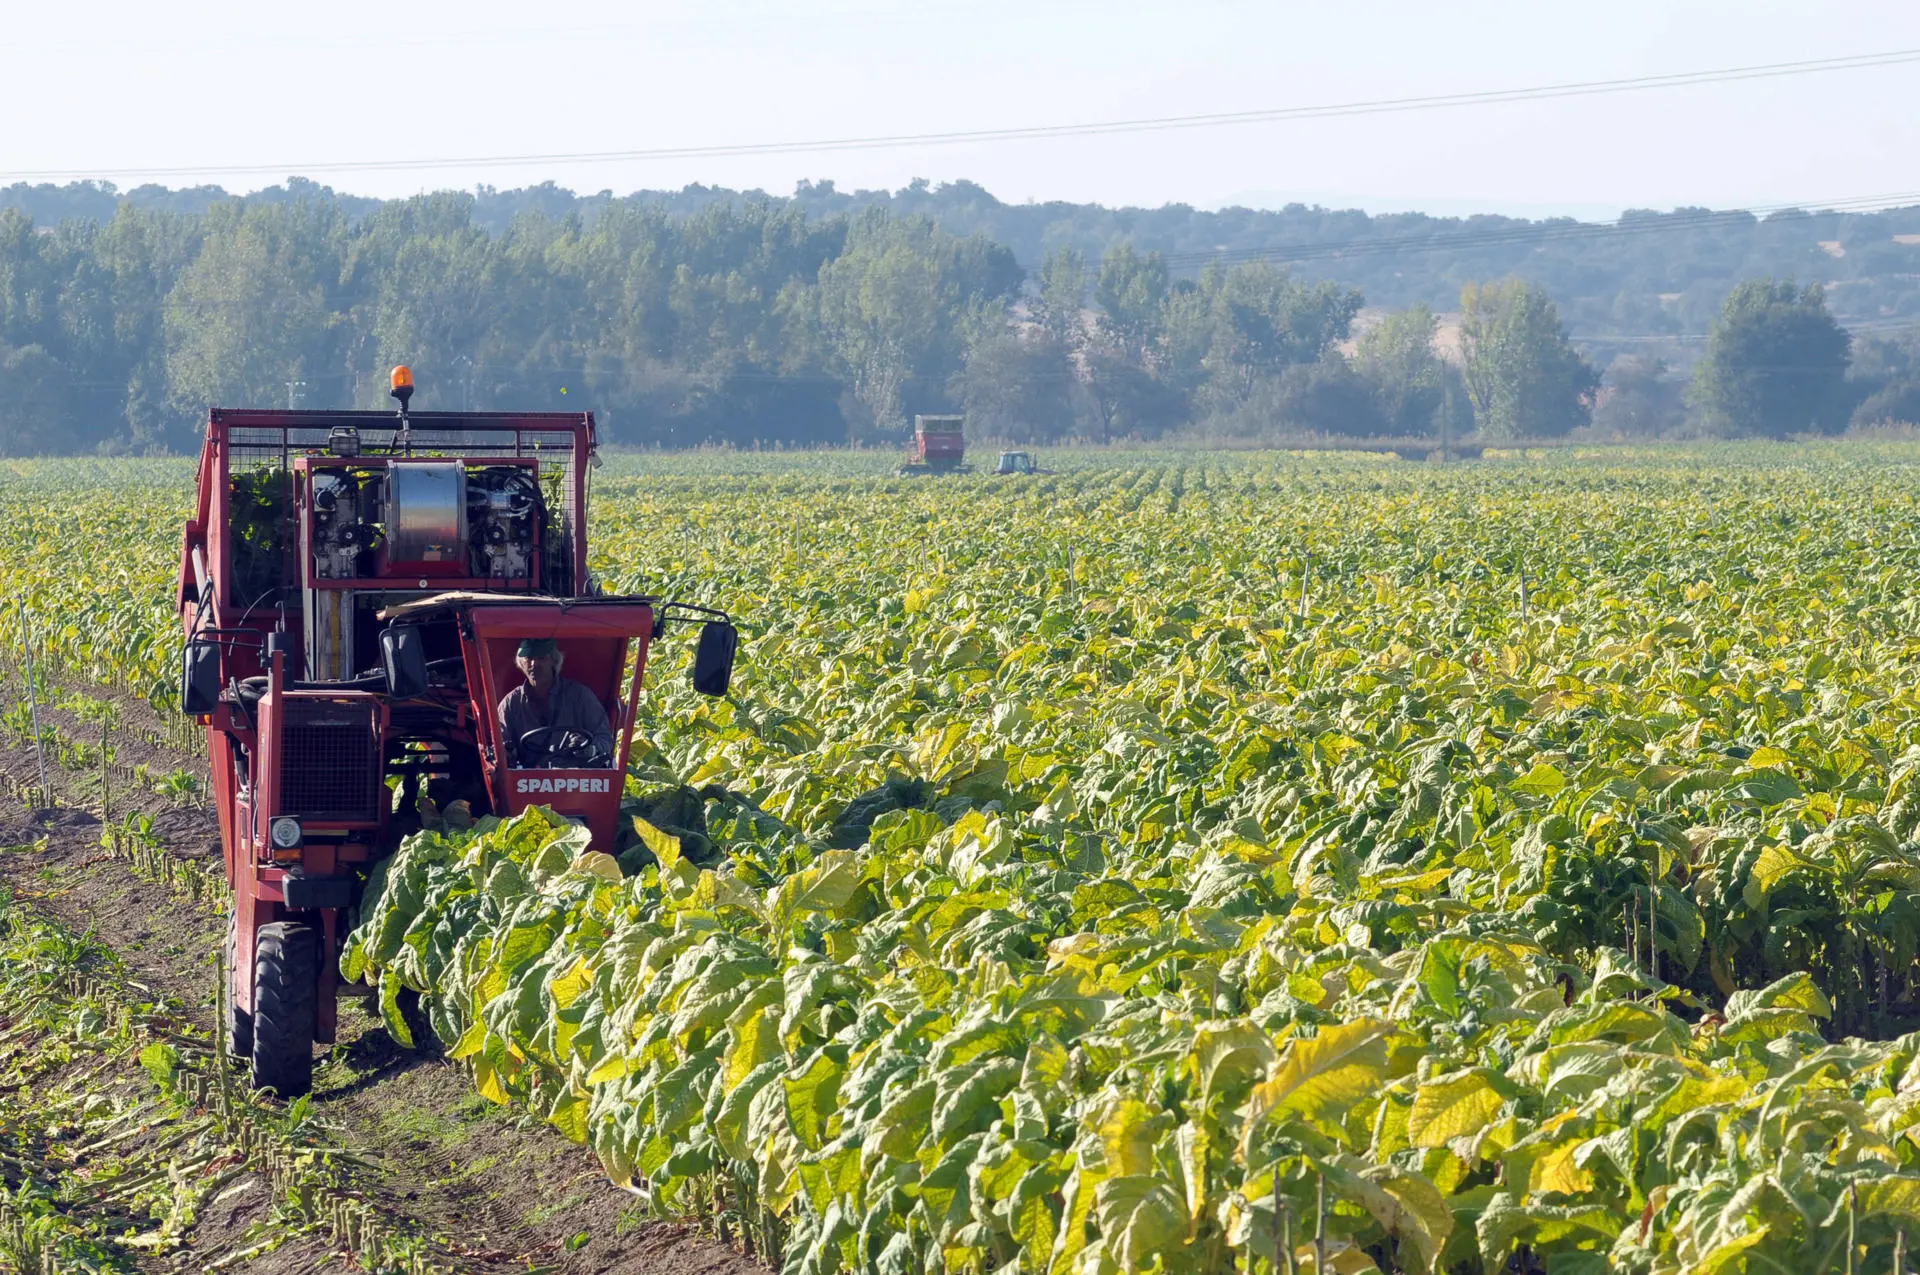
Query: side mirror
[[713, 661], [200, 678], [403, 658]]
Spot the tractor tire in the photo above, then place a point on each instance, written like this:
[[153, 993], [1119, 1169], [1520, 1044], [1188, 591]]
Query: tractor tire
[[239, 1021], [286, 976]]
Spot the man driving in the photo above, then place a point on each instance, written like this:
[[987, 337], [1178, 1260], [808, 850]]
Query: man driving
[[550, 720]]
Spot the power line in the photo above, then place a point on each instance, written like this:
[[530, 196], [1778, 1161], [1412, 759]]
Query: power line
[[1867, 327], [1163, 123]]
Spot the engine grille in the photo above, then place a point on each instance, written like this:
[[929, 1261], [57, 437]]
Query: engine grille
[[331, 761]]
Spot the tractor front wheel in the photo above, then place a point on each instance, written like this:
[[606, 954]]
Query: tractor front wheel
[[239, 1021], [286, 974]]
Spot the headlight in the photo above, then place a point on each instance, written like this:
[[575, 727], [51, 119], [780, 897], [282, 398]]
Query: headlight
[[284, 832]]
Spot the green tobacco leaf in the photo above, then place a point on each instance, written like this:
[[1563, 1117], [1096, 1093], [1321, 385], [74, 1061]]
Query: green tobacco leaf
[[665, 846], [753, 1034], [1544, 780], [830, 884], [1504, 1224], [1408, 1207], [569, 1115], [1449, 1107], [903, 1121], [1033, 1217], [1787, 1005], [1892, 1196], [396, 1022], [1723, 1253], [971, 1097], [1325, 1074], [1623, 1022], [983, 1039], [1141, 1219], [730, 1122], [1230, 1057], [813, 1094], [1128, 1129], [1768, 787]]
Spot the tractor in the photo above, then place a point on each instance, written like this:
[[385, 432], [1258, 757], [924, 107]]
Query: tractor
[[361, 592], [1018, 463], [939, 447]]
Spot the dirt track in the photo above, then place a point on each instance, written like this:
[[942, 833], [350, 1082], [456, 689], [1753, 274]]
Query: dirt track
[[497, 1189]]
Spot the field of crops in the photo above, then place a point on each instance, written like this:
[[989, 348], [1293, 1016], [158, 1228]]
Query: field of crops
[[1203, 863]]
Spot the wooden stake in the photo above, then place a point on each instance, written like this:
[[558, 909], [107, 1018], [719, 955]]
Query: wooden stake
[[1634, 946], [1275, 1266], [1853, 1210], [33, 693], [1653, 937], [1320, 1228]]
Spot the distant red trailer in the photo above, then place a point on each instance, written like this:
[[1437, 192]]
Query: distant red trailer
[[939, 446], [353, 589]]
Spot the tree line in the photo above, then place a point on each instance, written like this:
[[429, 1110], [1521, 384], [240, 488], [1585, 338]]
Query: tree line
[[1646, 274], [757, 323]]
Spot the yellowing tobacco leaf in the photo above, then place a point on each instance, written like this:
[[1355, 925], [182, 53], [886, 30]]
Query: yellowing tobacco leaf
[[1453, 1106], [1555, 1170], [1326, 1074]]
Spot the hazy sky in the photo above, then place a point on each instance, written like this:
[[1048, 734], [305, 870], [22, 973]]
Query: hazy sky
[[114, 86]]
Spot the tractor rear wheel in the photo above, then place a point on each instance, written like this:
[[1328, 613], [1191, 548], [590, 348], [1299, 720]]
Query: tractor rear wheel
[[286, 974], [239, 1021]]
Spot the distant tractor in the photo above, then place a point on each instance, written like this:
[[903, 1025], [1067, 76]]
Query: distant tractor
[[1018, 463], [939, 447]]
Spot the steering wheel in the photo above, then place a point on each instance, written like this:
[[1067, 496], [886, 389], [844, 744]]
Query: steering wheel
[[561, 748]]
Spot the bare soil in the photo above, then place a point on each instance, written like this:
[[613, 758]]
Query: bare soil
[[506, 1191]]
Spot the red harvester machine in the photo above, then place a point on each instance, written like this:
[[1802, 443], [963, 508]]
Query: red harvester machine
[[939, 447], [354, 587]]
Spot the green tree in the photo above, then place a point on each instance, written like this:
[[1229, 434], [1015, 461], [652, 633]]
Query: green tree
[[253, 311], [1061, 306], [1776, 364], [1185, 339], [1326, 397], [1131, 294], [1264, 321], [143, 254], [1409, 378], [1642, 399], [34, 395], [430, 293], [1018, 386], [1127, 399], [1140, 369], [1227, 339], [896, 306], [1885, 378], [30, 278], [1523, 377]]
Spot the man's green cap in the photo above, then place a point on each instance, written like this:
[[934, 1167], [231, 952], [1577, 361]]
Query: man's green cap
[[534, 648]]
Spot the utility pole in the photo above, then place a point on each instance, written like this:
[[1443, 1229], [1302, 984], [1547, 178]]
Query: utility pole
[[293, 392]]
